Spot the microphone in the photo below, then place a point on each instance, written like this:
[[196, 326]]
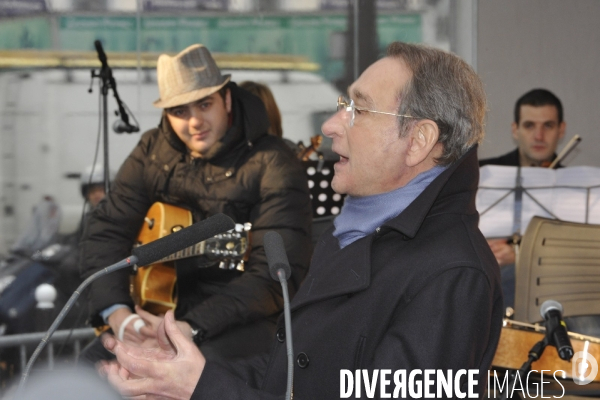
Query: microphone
[[143, 255], [276, 256], [121, 126], [279, 267], [118, 126], [101, 54], [556, 329], [198, 232]]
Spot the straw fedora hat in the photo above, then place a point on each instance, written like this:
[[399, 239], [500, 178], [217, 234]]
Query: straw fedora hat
[[187, 77]]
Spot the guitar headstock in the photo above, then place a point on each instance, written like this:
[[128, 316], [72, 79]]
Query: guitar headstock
[[305, 152], [231, 247]]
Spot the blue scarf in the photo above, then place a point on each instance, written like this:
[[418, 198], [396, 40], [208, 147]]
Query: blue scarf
[[360, 216]]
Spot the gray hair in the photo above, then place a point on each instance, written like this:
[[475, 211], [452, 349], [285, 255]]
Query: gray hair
[[446, 90]]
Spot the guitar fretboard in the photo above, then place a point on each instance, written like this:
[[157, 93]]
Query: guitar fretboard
[[196, 250]]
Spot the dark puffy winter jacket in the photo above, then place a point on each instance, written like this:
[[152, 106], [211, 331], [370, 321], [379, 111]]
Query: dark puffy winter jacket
[[249, 176]]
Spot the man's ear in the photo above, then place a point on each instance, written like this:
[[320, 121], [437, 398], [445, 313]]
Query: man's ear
[[228, 100], [515, 128], [424, 137], [561, 129]]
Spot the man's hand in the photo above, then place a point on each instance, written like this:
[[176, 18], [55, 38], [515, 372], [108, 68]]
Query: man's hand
[[152, 322], [130, 335], [172, 369], [503, 251]]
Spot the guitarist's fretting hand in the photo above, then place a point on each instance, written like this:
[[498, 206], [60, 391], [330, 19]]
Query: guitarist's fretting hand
[[146, 335]]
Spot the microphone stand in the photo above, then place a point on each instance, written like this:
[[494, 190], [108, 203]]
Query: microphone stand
[[288, 333], [105, 76], [534, 354], [108, 82], [128, 262], [280, 270]]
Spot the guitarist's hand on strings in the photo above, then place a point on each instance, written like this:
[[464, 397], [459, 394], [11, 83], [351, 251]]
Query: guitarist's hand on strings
[[130, 328]]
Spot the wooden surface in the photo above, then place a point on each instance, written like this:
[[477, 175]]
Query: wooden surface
[[515, 343]]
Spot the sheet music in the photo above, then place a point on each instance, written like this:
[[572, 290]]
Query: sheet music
[[566, 193]]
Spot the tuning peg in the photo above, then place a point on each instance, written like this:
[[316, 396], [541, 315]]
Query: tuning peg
[[240, 266], [320, 162]]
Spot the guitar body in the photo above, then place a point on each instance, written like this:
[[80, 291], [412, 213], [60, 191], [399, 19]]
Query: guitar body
[[153, 287]]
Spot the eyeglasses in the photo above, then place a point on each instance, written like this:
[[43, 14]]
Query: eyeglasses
[[350, 107]]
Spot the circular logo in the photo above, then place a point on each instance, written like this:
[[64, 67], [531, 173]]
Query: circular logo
[[585, 368]]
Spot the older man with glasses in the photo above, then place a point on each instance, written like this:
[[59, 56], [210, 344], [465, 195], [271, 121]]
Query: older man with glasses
[[403, 285]]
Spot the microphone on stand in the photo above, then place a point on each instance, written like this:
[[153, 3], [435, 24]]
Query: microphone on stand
[[556, 329], [279, 267], [101, 53], [120, 126], [143, 255]]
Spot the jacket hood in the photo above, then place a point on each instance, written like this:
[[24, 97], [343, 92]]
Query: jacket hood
[[249, 122]]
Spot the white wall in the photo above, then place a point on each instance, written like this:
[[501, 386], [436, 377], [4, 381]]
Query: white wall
[[553, 44]]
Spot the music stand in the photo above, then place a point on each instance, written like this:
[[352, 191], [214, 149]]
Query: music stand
[[558, 260], [326, 204], [571, 194]]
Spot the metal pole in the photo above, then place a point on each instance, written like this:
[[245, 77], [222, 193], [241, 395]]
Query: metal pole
[[356, 39], [105, 132], [138, 27]]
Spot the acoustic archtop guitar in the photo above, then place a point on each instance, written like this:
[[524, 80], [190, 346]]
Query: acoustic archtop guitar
[[153, 287]]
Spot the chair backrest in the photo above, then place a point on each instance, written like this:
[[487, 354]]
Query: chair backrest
[[560, 261]]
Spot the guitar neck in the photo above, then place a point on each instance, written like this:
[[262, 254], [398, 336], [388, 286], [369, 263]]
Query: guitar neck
[[193, 251], [229, 245]]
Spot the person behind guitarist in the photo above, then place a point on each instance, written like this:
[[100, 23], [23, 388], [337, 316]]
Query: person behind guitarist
[[537, 128], [209, 154], [264, 93]]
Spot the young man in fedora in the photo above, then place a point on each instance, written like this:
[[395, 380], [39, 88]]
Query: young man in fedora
[[210, 154]]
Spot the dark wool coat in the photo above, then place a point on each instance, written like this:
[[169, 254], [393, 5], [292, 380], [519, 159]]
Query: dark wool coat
[[422, 292], [249, 176]]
